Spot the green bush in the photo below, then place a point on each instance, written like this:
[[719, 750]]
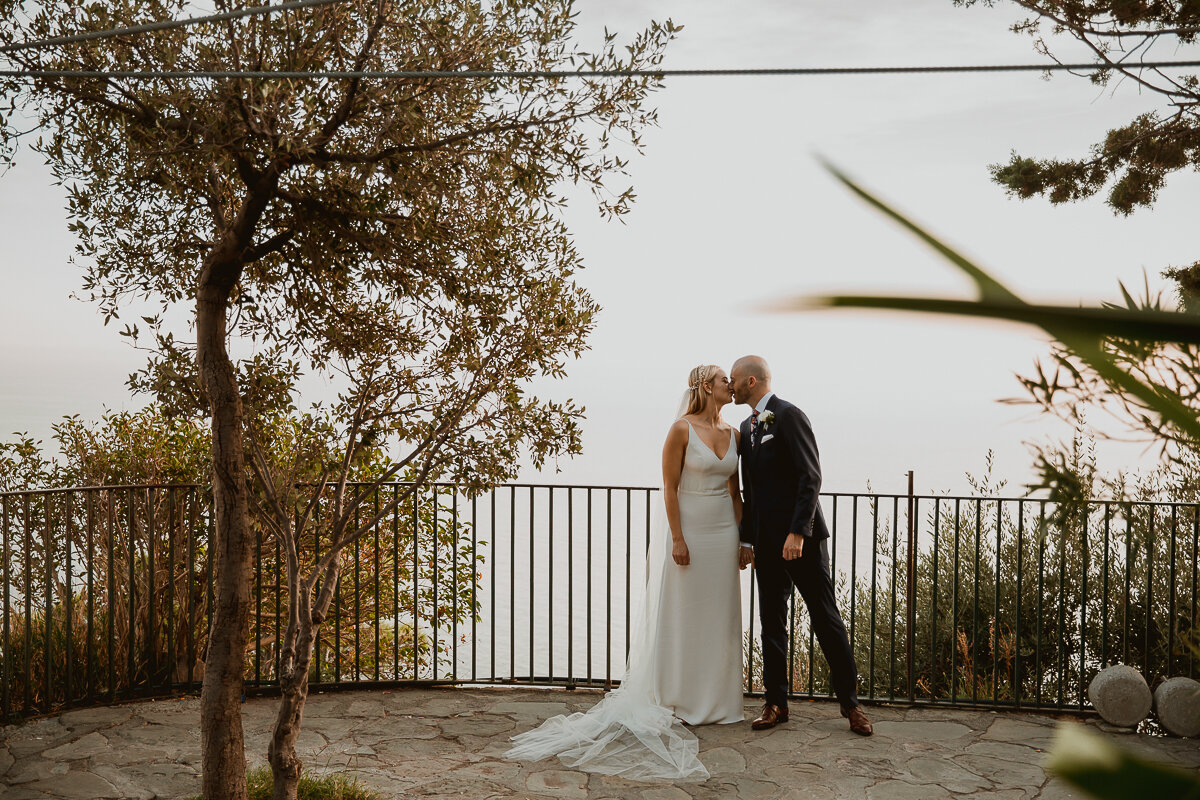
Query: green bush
[[135, 561], [1025, 610], [259, 786]]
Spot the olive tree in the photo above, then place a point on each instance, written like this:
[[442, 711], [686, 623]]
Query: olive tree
[[401, 236]]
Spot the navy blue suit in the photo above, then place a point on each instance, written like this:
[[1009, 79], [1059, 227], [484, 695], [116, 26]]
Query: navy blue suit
[[781, 484]]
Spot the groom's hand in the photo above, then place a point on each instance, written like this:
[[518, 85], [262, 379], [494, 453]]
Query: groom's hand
[[745, 557], [793, 547]]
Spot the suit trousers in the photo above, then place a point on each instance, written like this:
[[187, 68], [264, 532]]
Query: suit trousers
[[810, 574]]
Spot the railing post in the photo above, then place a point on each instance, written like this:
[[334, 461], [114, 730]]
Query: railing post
[[910, 631]]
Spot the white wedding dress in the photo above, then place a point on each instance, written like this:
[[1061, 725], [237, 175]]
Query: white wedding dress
[[685, 657]]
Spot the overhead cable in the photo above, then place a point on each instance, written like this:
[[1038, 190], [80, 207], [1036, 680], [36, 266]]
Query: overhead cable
[[164, 25], [555, 74]]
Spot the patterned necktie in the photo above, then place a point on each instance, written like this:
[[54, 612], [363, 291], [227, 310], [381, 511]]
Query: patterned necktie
[[753, 427]]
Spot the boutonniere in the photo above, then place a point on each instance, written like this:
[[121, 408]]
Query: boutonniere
[[766, 418]]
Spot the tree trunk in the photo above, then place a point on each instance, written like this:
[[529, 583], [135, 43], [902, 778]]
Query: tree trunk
[[223, 748], [293, 684]]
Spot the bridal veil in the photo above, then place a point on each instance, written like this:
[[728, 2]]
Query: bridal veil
[[628, 733]]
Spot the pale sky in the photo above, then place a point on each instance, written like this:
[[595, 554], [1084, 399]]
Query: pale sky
[[734, 210]]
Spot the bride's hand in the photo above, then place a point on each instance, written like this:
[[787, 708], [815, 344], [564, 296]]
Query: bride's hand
[[745, 557], [679, 552]]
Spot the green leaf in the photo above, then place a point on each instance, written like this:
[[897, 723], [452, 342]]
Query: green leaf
[[1158, 326], [989, 287], [1080, 330], [1107, 772]]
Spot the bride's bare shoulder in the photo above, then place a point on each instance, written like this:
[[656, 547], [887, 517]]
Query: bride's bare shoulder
[[677, 435]]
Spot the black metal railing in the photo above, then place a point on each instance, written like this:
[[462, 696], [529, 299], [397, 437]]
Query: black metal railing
[[963, 600]]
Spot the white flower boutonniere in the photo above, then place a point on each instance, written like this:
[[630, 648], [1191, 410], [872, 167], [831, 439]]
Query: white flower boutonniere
[[766, 418]]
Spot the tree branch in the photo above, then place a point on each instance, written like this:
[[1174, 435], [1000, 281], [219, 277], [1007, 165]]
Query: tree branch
[[1080, 32], [271, 245], [331, 126], [324, 156]]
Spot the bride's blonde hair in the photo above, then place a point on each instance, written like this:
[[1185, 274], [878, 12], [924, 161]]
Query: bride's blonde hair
[[699, 376]]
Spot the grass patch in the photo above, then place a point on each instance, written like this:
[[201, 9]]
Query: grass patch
[[323, 787]]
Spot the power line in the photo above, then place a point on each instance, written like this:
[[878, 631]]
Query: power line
[[550, 74], [164, 25]]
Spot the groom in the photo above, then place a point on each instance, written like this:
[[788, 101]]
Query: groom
[[783, 533]]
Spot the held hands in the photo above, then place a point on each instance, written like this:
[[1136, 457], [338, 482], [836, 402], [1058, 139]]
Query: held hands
[[793, 547], [745, 557], [679, 552]]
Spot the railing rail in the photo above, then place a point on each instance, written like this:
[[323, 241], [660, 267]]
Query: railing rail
[[972, 601]]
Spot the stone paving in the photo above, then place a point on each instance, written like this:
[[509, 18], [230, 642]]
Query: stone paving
[[448, 743]]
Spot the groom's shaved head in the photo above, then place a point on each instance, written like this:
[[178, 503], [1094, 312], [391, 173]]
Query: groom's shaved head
[[750, 379], [753, 367]]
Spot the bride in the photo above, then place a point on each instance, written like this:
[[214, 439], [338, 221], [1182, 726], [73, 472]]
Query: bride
[[685, 657]]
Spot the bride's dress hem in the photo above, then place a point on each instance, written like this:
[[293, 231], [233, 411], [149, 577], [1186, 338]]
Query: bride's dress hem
[[630, 740]]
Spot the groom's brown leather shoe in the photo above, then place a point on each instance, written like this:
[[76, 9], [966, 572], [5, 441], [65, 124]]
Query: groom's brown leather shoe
[[858, 720], [771, 716]]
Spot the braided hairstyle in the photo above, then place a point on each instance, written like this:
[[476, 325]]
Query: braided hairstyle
[[697, 379]]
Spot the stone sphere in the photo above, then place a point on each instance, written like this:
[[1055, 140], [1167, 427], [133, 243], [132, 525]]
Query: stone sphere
[[1120, 695], [1177, 703]]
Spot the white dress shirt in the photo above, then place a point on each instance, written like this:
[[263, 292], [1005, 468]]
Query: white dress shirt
[[762, 404]]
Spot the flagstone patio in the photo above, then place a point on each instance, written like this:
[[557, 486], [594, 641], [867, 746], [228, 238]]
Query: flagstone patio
[[449, 743]]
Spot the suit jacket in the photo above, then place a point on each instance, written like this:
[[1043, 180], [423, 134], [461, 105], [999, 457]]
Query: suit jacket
[[781, 479]]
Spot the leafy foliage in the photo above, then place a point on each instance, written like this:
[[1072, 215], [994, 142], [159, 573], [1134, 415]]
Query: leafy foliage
[[136, 559], [1026, 601], [1150, 380], [412, 234], [1132, 161], [106, 585], [1101, 342], [1016, 601], [1089, 340], [401, 238], [1069, 389]]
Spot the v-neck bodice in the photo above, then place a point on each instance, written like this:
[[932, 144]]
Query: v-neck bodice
[[703, 472]]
